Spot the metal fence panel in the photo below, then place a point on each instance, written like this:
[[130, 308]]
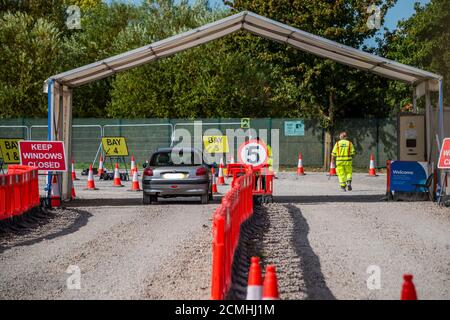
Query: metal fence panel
[[377, 136]]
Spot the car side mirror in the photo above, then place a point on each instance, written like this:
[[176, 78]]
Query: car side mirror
[[144, 165]]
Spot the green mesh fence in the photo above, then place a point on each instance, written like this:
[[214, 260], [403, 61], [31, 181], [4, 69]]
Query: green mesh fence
[[377, 136]]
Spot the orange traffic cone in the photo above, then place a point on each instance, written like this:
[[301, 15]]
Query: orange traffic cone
[[270, 285], [100, 170], [408, 288], [74, 175], [117, 180], [214, 185], [133, 165], [254, 288], [221, 179], [73, 191], [372, 172], [56, 196], [90, 182], [300, 170], [135, 182], [332, 168]]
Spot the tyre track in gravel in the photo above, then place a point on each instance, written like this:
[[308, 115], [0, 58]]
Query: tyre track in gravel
[[396, 237], [118, 252], [44, 268], [273, 235], [323, 241]]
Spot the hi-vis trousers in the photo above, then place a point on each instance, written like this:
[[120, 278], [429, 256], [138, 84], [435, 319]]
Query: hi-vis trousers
[[344, 171]]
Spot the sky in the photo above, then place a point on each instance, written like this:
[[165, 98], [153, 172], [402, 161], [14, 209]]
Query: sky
[[402, 10]]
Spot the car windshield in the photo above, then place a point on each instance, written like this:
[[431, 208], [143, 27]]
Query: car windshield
[[175, 158]]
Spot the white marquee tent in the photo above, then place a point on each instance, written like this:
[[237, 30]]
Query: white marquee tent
[[59, 87]]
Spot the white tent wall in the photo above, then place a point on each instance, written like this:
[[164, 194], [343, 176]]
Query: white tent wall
[[61, 113]]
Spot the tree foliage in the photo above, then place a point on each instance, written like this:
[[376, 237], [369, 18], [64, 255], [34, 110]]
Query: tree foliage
[[324, 89], [27, 47], [423, 41], [239, 75]]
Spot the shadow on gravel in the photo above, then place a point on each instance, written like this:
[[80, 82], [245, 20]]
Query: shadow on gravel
[[129, 202], [105, 202], [332, 198], [46, 226], [250, 244], [315, 285]]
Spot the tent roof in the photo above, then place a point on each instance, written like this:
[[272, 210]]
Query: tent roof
[[257, 25]]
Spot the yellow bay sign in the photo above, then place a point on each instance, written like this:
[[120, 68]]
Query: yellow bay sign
[[115, 146], [9, 150], [216, 144]]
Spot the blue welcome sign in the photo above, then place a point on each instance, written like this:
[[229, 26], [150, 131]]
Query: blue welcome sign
[[406, 174]]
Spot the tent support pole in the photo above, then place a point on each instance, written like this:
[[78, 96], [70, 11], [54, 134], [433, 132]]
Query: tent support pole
[[429, 117], [50, 89], [66, 136]]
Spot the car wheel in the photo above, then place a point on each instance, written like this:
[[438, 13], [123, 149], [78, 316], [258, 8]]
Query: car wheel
[[204, 198], [146, 199]]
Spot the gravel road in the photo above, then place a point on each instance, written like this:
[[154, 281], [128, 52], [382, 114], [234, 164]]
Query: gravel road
[[321, 239], [123, 249], [339, 235]]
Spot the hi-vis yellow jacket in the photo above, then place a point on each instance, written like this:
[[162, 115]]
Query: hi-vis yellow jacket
[[343, 150]]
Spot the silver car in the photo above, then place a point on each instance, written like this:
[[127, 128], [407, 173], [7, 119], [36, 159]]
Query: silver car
[[174, 172]]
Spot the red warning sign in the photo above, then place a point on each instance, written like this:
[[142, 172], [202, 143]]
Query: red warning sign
[[253, 152], [45, 155], [444, 158]]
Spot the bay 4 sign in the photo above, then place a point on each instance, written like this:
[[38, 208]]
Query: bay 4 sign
[[444, 158], [45, 155], [115, 146], [406, 175]]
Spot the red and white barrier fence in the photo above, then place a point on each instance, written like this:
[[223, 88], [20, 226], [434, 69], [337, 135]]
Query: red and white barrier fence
[[19, 191], [236, 207]]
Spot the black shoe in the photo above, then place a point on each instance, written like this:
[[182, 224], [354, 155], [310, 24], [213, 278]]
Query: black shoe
[[349, 187], [343, 188]]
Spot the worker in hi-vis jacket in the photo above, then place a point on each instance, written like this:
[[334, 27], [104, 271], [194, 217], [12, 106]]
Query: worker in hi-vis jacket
[[343, 153]]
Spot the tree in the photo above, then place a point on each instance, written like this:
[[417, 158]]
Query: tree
[[422, 41], [194, 83], [327, 90], [27, 46], [101, 24], [319, 81], [36, 43]]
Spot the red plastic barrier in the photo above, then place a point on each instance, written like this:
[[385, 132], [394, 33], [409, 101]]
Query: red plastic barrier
[[19, 191], [17, 187], [35, 201], [233, 168], [9, 196], [236, 207], [264, 181], [3, 187]]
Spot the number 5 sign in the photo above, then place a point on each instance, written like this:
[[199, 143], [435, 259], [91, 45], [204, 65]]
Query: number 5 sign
[[254, 153]]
